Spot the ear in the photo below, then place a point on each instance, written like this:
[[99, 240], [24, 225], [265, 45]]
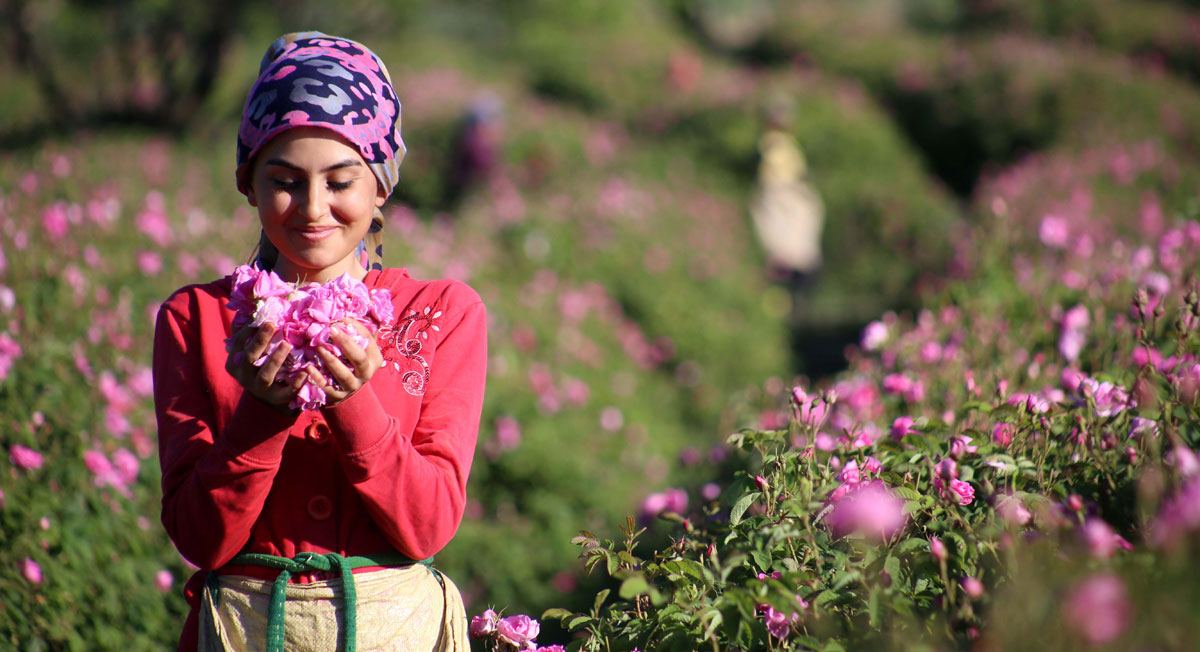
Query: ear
[[380, 194], [244, 183]]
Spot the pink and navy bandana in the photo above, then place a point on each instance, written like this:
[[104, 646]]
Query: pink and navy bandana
[[313, 79]]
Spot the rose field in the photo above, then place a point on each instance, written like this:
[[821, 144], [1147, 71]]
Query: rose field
[[977, 428]]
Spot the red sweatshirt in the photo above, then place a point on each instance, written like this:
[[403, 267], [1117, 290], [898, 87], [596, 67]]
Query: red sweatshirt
[[384, 470]]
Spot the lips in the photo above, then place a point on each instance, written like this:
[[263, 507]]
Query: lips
[[314, 233]]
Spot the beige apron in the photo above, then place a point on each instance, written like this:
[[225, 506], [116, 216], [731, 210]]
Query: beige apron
[[402, 609]]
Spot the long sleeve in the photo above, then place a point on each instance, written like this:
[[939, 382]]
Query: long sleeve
[[216, 472], [413, 483]]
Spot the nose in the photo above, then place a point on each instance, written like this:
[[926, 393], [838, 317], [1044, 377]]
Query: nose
[[315, 202]]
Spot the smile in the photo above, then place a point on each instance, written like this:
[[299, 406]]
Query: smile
[[315, 233]]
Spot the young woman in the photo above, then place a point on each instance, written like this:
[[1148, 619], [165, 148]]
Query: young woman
[[310, 527]]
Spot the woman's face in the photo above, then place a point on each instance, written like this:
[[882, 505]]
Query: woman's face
[[315, 197]]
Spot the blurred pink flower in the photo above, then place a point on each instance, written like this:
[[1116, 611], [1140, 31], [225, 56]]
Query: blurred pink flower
[[874, 336], [937, 549], [1101, 540], [1002, 434], [508, 433], [54, 221], [1179, 516], [611, 418], [778, 625], [10, 350], [956, 491], [902, 426], [961, 445], [671, 500], [1012, 510], [871, 509], [31, 571], [1110, 399], [1098, 609], [850, 473], [1184, 460], [164, 580], [149, 262], [972, 587], [810, 410], [25, 458], [1054, 232]]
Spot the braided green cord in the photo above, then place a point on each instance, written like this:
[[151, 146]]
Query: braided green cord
[[312, 561]]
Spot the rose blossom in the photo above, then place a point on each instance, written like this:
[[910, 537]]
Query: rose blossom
[[1098, 609], [871, 508], [31, 571], [517, 630], [937, 549], [25, 458], [972, 587], [1002, 434], [483, 625], [902, 426]]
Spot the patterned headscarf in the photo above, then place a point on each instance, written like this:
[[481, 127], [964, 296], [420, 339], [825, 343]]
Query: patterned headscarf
[[313, 79]]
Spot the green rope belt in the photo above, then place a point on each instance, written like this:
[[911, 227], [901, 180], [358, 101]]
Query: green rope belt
[[305, 562]]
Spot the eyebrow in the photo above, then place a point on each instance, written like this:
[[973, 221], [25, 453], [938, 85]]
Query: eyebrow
[[336, 166]]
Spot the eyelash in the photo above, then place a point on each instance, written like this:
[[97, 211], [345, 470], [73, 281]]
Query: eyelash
[[292, 185]]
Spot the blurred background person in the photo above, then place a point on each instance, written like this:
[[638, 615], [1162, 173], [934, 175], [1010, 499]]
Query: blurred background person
[[786, 211]]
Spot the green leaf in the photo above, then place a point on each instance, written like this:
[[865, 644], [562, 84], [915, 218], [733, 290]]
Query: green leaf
[[557, 612], [632, 586], [600, 598], [910, 544], [828, 595], [762, 559], [739, 508], [907, 493], [892, 566], [578, 623]]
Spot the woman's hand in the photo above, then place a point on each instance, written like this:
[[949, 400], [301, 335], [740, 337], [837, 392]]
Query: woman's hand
[[248, 345], [356, 366]]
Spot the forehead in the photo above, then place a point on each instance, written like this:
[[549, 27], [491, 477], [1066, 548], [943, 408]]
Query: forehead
[[310, 145]]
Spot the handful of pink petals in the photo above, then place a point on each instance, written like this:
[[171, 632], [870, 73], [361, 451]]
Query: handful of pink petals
[[304, 316]]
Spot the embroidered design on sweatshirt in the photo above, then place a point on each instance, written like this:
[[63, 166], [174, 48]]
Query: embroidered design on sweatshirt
[[402, 344]]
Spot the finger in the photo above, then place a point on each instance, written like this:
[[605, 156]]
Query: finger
[[257, 345], [344, 378], [374, 355], [270, 368], [237, 341], [351, 351]]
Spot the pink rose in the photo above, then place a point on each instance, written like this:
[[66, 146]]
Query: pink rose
[[1013, 511], [1098, 609], [850, 474], [961, 445], [778, 625], [25, 458], [937, 549], [954, 490], [517, 630], [972, 587], [1002, 434], [483, 625], [164, 580], [871, 509], [31, 571], [902, 426]]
